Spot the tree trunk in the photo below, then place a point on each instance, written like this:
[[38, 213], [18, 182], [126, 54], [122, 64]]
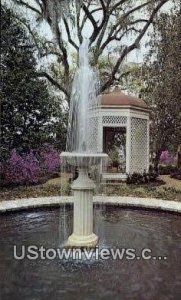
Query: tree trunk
[[156, 160]]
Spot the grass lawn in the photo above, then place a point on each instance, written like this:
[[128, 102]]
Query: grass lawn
[[170, 190], [171, 182]]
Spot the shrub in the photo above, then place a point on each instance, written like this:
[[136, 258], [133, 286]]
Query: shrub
[[137, 178], [49, 159], [176, 175], [167, 169], [114, 157], [30, 168], [166, 158], [66, 189], [21, 169]]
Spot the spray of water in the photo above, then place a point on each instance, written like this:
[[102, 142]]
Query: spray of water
[[83, 119]]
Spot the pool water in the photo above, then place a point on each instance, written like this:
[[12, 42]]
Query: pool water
[[123, 228]]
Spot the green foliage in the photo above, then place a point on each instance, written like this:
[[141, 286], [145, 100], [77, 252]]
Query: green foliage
[[137, 178], [66, 189], [114, 156], [132, 78], [33, 191], [166, 169], [30, 115], [145, 191], [157, 81], [163, 88]]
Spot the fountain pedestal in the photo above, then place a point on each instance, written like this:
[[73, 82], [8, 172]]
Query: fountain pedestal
[[83, 188]]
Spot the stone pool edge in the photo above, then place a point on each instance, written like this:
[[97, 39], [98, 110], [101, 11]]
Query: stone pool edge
[[147, 203]]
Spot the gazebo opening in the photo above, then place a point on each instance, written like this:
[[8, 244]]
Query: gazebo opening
[[114, 139]]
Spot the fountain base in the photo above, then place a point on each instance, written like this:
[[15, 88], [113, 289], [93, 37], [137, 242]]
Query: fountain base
[[77, 241], [83, 236]]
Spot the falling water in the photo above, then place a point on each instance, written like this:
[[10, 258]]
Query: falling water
[[83, 119]]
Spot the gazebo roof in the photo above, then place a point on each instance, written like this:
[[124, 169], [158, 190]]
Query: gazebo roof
[[118, 98]]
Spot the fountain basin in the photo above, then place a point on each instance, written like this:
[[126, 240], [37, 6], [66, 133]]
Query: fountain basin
[[82, 159], [91, 279]]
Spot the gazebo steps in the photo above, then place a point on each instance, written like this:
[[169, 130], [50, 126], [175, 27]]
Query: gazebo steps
[[114, 178]]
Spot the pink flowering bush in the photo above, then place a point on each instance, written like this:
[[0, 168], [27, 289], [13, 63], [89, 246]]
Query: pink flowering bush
[[166, 158], [21, 169], [49, 159], [30, 168]]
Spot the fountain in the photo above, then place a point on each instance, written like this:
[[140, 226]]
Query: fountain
[[82, 147]]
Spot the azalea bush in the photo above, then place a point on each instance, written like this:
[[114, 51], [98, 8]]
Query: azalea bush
[[166, 164], [49, 159], [30, 168], [166, 158], [22, 170]]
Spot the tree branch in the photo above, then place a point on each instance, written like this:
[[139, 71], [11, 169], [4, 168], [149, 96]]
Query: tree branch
[[78, 8], [112, 37], [117, 5], [102, 28], [52, 81], [103, 7], [41, 6], [121, 20], [21, 2], [64, 52], [69, 35], [132, 46], [90, 17]]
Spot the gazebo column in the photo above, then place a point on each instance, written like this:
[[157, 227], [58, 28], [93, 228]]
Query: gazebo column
[[100, 140], [148, 145], [128, 145]]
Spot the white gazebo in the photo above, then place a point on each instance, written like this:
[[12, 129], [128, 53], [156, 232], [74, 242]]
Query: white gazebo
[[124, 134]]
